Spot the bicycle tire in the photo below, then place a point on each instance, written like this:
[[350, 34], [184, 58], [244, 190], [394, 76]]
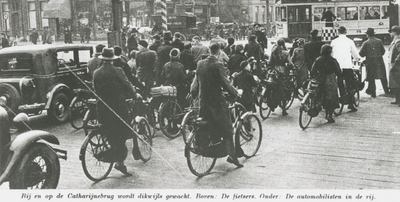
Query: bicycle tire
[[151, 119], [263, 106], [145, 141], [76, 113], [357, 99], [237, 111], [187, 125], [192, 155], [246, 134], [290, 102], [169, 112], [94, 143], [304, 123]]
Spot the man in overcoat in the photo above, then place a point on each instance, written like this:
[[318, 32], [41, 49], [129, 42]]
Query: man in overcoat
[[261, 38], [163, 55], [112, 86], [207, 86], [146, 61], [312, 49], [373, 50], [394, 63]]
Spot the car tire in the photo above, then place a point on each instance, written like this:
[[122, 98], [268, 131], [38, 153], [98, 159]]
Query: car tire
[[58, 110], [10, 93]]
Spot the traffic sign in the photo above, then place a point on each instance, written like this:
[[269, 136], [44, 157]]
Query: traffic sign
[[5, 16]]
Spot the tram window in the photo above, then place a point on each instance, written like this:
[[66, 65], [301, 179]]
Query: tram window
[[385, 12], [281, 13], [347, 13], [318, 11], [369, 12]]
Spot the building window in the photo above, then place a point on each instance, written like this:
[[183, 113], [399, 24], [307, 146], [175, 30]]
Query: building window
[[5, 23], [45, 22], [32, 15], [256, 13], [263, 14]]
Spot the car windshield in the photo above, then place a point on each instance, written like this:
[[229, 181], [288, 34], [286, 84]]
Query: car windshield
[[16, 62]]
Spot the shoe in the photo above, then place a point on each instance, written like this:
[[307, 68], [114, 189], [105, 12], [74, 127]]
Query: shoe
[[352, 108], [331, 120], [234, 161], [284, 113], [105, 156], [395, 103], [373, 95], [368, 91], [122, 168]]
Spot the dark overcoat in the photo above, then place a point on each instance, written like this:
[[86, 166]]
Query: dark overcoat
[[245, 81], [177, 43], [312, 51], [146, 61], [373, 50], [325, 70], [163, 57], [155, 45], [187, 59], [394, 72], [207, 86], [234, 62]]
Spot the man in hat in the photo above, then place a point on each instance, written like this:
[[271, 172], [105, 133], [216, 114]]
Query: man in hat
[[329, 17], [112, 86], [95, 62], [207, 86], [177, 43], [132, 42], [146, 61], [261, 38], [343, 49], [156, 44], [118, 62], [163, 55], [394, 63], [312, 49], [34, 36], [373, 50]]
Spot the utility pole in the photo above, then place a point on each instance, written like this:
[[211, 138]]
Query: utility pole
[[267, 18], [95, 19]]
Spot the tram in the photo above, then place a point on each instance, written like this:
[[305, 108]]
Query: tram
[[296, 18]]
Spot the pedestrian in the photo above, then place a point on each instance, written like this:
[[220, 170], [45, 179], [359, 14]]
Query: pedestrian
[[343, 49], [312, 49], [329, 17], [215, 38], [299, 63], [67, 35], [118, 62], [294, 46], [242, 32], [254, 49], [146, 63], [207, 86], [156, 44], [236, 59], [95, 62], [4, 41], [46, 35], [235, 31], [82, 33], [261, 38], [132, 41], [88, 31], [163, 55], [325, 70], [198, 49], [187, 58], [177, 43], [245, 80], [132, 61], [227, 49], [281, 62], [374, 50], [112, 86], [34, 36], [173, 74], [394, 63]]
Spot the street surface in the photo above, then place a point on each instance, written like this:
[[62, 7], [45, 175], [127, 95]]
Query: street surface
[[359, 151]]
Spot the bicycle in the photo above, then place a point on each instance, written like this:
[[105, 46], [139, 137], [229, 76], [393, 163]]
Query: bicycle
[[309, 106], [203, 149], [96, 168], [78, 108], [90, 119]]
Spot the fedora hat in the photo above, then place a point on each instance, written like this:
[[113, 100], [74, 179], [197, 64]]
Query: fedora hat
[[370, 31], [108, 54], [167, 35], [395, 29]]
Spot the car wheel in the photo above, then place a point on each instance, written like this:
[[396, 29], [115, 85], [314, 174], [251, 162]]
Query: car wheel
[[58, 111], [9, 98]]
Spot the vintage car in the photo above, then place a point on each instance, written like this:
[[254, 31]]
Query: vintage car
[[42, 77]]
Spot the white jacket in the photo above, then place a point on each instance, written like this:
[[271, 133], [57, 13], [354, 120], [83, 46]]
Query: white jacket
[[343, 49]]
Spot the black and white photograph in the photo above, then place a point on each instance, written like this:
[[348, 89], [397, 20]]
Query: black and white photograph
[[195, 100]]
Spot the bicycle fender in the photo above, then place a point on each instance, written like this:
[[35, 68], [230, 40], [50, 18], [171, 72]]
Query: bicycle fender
[[19, 146], [305, 98], [245, 114]]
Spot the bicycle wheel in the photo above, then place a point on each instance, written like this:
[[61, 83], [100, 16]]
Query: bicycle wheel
[[265, 111], [237, 111], [357, 98], [187, 125], [151, 119], [77, 112], [338, 111], [199, 165], [90, 121], [248, 135], [289, 102], [170, 119], [94, 168], [145, 141], [304, 117]]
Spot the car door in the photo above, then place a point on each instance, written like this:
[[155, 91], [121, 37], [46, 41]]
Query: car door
[[69, 69]]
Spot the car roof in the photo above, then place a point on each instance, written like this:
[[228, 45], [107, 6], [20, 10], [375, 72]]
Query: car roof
[[42, 48]]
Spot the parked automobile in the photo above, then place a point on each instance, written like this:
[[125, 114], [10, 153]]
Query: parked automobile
[[42, 77]]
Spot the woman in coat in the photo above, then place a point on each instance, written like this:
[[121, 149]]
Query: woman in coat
[[394, 63], [325, 70], [299, 63], [245, 81]]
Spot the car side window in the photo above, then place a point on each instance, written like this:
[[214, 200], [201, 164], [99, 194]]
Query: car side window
[[84, 56], [65, 58], [16, 63]]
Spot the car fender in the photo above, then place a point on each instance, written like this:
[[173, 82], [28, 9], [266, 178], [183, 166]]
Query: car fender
[[57, 88], [19, 146]]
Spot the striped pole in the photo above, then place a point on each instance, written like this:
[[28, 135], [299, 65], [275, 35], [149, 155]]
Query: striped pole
[[163, 10]]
